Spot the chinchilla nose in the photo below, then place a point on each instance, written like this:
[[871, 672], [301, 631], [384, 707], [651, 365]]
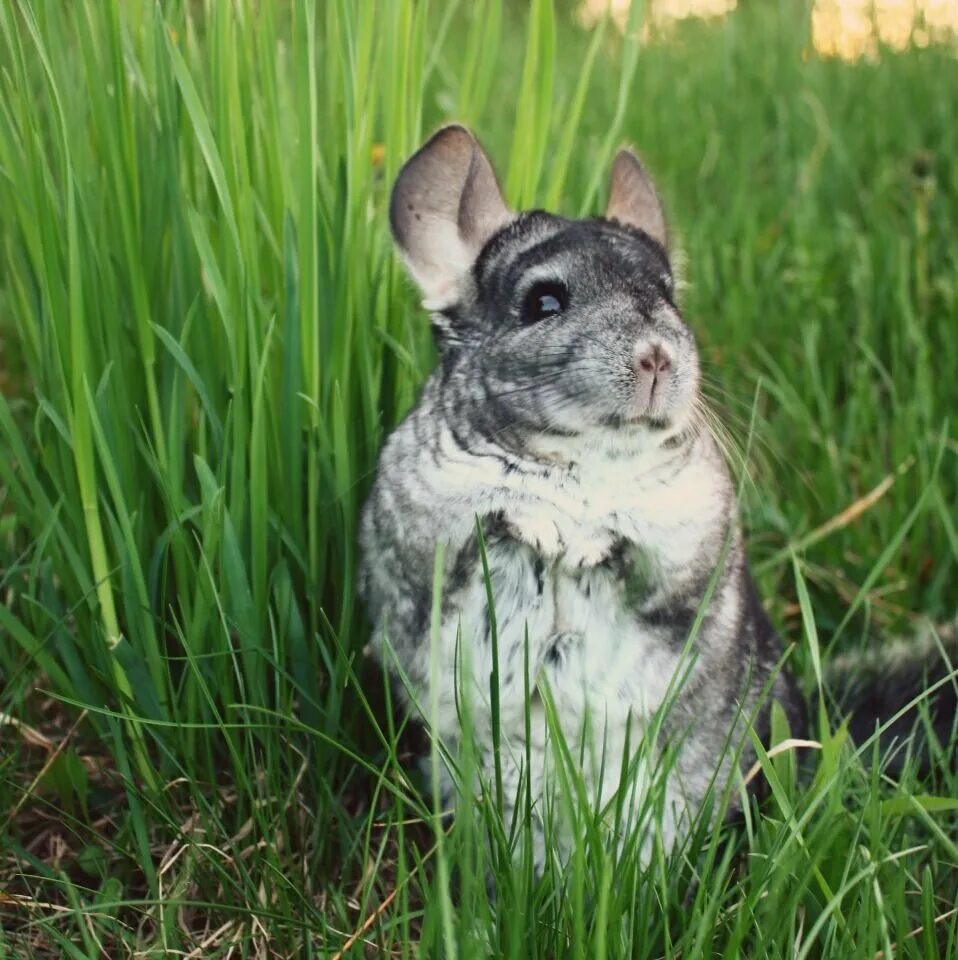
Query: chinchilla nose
[[652, 360]]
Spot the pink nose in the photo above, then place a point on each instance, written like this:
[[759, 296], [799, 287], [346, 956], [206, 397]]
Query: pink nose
[[654, 360]]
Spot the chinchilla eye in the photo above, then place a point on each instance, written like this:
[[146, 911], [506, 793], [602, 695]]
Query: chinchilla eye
[[545, 300]]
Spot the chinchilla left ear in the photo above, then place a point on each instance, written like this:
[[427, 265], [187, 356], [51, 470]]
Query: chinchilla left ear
[[632, 198], [445, 206]]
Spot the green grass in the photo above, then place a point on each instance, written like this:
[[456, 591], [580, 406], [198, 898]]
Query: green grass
[[207, 335]]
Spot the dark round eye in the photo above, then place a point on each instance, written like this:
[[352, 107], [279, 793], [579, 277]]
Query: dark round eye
[[544, 300]]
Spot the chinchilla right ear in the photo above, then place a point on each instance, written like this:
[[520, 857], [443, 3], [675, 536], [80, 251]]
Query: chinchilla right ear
[[445, 205], [633, 200]]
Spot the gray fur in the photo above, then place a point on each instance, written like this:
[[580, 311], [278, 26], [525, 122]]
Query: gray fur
[[607, 508]]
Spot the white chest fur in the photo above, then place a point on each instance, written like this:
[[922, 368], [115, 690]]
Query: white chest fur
[[564, 616], [550, 587]]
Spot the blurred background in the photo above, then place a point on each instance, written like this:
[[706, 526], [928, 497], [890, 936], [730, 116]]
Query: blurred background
[[849, 29]]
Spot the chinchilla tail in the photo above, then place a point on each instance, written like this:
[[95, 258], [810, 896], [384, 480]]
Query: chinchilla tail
[[918, 672]]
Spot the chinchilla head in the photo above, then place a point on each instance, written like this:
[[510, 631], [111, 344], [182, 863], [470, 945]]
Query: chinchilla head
[[544, 323]]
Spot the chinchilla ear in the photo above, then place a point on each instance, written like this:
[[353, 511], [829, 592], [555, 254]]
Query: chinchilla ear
[[445, 205], [632, 198]]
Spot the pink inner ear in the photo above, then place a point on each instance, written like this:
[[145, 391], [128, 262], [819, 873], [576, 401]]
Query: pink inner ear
[[482, 210], [632, 198], [445, 205]]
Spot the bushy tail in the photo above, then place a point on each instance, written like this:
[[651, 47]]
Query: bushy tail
[[877, 685]]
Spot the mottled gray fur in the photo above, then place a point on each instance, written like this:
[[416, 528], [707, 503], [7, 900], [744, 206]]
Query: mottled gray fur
[[565, 415]]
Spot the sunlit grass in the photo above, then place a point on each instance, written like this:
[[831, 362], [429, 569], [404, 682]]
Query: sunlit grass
[[848, 29], [851, 29]]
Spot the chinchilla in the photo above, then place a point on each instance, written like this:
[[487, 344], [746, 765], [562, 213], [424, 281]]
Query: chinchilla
[[564, 422]]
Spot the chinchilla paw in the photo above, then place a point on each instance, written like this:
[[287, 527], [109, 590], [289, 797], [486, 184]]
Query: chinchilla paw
[[538, 532], [589, 550]]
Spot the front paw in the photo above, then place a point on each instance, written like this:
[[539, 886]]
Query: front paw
[[539, 532], [560, 647], [589, 550]]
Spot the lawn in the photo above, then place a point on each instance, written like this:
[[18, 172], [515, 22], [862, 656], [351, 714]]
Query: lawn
[[204, 336]]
